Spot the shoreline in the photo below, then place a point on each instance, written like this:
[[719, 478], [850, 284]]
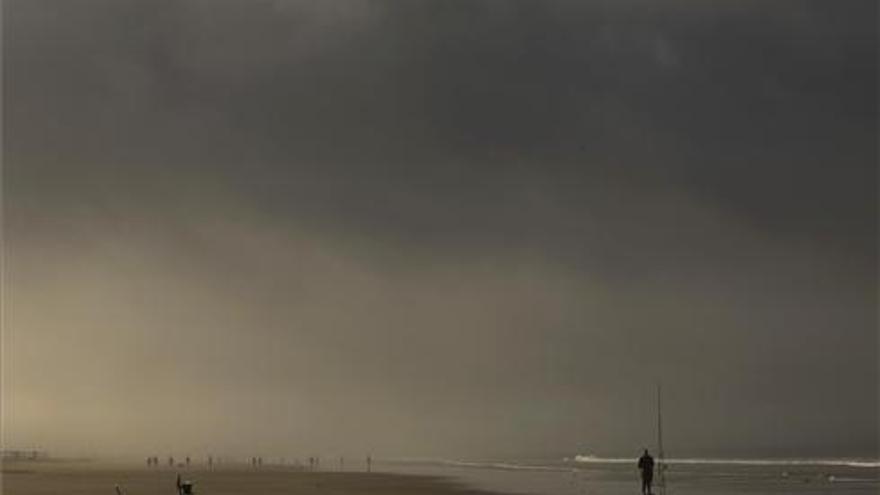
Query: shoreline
[[33, 478]]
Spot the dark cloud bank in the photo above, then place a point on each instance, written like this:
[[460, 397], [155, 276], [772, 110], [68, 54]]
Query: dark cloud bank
[[440, 228]]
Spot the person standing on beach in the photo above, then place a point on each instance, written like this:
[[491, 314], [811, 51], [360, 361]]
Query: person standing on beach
[[646, 466]]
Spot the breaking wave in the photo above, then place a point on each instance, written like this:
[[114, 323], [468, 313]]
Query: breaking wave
[[503, 465], [858, 463]]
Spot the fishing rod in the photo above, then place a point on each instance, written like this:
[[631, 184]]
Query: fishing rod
[[660, 465]]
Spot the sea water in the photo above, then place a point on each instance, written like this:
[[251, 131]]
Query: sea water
[[586, 475]]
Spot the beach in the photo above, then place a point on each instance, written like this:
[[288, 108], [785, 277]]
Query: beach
[[683, 477], [604, 477], [45, 478]]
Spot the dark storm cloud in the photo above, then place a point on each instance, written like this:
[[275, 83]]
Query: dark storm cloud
[[529, 211], [454, 97]]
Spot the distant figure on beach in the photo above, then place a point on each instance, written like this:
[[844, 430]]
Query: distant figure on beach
[[369, 463], [187, 461], [184, 487], [171, 461], [646, 466]]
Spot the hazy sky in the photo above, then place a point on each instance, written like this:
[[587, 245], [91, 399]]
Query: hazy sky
[[440, 228]]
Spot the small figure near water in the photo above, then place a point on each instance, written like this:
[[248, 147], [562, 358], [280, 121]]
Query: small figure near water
[[646, 466], [184, 487]]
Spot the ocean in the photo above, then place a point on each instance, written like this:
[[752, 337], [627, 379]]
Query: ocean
[[588, 475]]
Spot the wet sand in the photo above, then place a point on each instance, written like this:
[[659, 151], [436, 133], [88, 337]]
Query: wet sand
[[93, 479]]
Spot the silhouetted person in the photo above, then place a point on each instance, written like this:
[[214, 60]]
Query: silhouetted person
[[260, 461], [369, 463], [171, 461], [184, 487], [646, 466], [187, 461]]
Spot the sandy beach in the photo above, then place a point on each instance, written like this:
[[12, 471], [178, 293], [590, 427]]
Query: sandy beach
[[95, 479], [62, 477]]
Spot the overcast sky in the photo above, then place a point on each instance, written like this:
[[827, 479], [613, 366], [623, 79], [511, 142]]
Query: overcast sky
[[440, 228]]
